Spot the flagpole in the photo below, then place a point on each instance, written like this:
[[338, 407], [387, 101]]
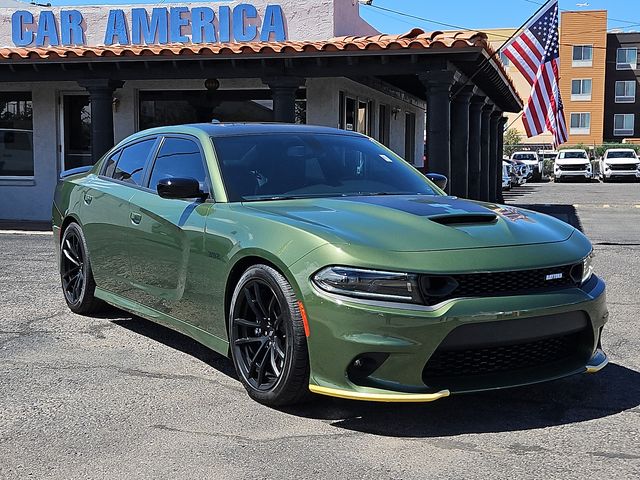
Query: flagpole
[[497, 52]]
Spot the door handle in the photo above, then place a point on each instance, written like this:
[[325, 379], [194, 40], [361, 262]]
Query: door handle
[[136, 218], [88, 199]]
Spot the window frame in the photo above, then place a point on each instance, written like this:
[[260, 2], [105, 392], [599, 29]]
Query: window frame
[[119, 151], [22, 179], [626, 65], [582, 62], [579, 130], [582, 97], [622, 132], [162, 138], [625, 98]]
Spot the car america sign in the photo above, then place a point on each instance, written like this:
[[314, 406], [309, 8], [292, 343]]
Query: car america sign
[[150, 26]]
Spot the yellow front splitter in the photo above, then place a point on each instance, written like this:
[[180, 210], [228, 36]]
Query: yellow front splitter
[[380, 397]]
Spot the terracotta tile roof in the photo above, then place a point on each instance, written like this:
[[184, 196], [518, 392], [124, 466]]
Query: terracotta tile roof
[[415, 40]]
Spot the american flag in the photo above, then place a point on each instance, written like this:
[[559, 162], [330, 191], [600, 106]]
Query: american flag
[[535, 52]]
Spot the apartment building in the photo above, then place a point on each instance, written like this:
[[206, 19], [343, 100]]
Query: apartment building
[[583, 52], [622, 110]]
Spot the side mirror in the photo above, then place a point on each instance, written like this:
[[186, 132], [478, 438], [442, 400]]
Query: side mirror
[[440, 180], [179, 188]]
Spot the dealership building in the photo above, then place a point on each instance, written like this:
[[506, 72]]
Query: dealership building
[[76, 80]]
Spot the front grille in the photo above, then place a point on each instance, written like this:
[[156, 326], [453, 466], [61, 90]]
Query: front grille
[[573, 168], [626, 168], [436, 289], [506, 358]]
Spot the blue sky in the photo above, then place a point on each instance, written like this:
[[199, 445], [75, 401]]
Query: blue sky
[[472, 14], [479, 14]]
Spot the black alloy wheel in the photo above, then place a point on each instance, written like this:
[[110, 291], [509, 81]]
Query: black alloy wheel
[[75, 272], [268, 343]]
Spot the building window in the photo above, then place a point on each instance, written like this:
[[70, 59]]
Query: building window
[[623, 124], [582, 56], [626, 91], [580, 124], [581, 90], [16, 135], [410, 138], [627, 59], [356, 114], [384, 124]]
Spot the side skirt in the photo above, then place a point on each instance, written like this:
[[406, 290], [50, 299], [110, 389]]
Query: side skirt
[[210, 341]]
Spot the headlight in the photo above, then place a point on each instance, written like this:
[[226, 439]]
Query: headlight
[[371, 284], [606, 166], [587, 268], [638, 166]]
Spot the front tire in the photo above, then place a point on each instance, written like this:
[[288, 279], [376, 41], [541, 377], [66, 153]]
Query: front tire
[[76, 276], [267, 338]]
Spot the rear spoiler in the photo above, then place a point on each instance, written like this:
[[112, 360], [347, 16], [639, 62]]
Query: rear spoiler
[[75, 171]]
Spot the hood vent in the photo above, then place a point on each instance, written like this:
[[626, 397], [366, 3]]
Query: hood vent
[[465, 219]]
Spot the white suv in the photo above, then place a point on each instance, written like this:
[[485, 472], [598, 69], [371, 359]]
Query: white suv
[[572, 164], [531, 160], [619, 163]]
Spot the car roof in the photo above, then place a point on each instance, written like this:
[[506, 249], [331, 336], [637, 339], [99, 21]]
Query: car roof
[[524, 151], [218, 129], [620, 150]]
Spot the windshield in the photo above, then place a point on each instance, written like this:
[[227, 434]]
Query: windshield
[[308, 165], [524, 156], [622, 154], [573, 155]]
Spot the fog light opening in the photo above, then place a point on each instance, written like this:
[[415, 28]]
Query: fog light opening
[[365, 365]]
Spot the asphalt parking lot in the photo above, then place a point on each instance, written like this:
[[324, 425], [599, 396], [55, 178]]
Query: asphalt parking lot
[[119, 397]]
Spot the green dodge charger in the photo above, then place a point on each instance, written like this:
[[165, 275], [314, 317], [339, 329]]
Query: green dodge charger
[[320, 261]]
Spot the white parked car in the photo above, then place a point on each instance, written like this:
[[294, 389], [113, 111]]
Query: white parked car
[[531, 160], [506, 176], [572, 164], [619, 163]]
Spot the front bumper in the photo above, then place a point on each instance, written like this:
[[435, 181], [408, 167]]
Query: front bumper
[[401, 341], [622, 173], [573, 173]]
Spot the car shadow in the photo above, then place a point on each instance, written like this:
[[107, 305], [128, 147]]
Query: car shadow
[[171, 339], [576, 399]]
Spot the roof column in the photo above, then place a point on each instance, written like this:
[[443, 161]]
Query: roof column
[[460, 142], [475, 130], [494, 161], [438, 84], [485, 151], [101, 98], [502, 122], [283, 90]]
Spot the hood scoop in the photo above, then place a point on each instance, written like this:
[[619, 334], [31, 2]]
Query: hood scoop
[[465, 219]]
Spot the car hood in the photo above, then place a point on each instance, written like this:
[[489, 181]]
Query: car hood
[[415, 223], [572, 161]]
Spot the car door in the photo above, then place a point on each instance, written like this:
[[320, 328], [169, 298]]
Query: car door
[[105, 214], [167, 244]]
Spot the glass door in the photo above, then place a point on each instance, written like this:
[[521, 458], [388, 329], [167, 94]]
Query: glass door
[[76, 130]]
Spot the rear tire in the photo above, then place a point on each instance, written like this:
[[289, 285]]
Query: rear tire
[[76, 276], [267, 338]]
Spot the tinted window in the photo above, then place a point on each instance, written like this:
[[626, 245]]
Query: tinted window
[[621, 154], [16, 136], [111, 165], [178, 158], [130, 167], [524, 156], [307, 165], [573, 155]]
